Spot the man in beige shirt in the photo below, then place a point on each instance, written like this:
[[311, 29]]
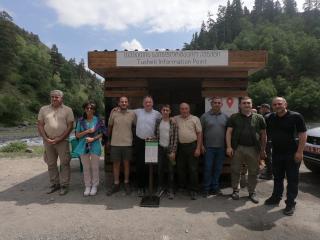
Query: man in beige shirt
[[189, 149], [55, 122], [120, 129]]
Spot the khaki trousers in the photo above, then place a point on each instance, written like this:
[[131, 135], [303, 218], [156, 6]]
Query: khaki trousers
[[250, 157], [90, 164], [51, 154]]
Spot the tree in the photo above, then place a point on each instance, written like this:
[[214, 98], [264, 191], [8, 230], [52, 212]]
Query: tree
[[290, 7]]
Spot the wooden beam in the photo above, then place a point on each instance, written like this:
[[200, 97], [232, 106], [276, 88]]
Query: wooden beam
[[128, 83], [212, 93], [224, 83], [128, 93]]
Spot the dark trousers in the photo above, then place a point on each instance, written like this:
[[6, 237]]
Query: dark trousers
[[165, 169], [141, 168], [187, 166], [268, 160], [283, 164]]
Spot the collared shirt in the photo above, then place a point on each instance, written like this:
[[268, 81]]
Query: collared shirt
[[146, 122], [122, 122], [214, 128], [188, 128], [55, 119]]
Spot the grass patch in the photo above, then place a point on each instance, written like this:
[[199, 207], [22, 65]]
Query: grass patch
[[14, 147], [37, 152]]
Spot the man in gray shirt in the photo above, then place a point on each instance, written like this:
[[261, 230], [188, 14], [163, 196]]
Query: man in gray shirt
[[214, 124]]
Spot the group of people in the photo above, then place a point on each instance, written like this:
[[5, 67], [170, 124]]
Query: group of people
[[245, 137]]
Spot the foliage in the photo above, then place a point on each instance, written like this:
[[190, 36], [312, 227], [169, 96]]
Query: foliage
[[29, 70], [291, 38], [14, 147]]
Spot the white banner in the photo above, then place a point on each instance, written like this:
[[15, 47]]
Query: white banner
[[230, 105], [151, 152], [195, 58]]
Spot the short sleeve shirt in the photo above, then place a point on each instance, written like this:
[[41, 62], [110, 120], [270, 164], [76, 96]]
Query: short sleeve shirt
[[55, 119], [214, 128], [283, 131], [121, 123], [188, 128], [146, 122]]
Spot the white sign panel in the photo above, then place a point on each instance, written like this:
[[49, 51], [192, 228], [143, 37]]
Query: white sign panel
[[151, 152], [230, 105], [196, 58]]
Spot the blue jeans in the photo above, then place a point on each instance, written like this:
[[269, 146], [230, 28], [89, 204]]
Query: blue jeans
[[213, 163]]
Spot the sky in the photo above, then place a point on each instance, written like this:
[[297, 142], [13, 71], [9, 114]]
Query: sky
[[79, 26]]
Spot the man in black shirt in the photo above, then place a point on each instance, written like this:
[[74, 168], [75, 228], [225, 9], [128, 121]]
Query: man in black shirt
[[283, 126]]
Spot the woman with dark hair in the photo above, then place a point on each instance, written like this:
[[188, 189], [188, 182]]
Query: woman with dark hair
[[89, 130]]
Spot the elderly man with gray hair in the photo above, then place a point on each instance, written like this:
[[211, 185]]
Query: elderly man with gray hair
[[55, 122]]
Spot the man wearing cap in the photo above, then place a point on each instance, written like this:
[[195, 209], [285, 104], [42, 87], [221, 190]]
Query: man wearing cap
[[55, 122]]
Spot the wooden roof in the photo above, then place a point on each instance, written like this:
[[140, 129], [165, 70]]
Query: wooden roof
[[240, 65]]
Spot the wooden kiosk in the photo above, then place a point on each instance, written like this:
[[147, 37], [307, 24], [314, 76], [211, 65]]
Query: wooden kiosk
[[172, 77]]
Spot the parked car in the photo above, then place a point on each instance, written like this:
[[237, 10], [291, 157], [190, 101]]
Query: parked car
[[312, 150]]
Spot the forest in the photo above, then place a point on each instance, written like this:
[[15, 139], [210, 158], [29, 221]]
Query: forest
[[29, 70], [291, 38]]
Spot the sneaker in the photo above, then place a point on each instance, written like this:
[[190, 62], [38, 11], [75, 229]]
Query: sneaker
[[127, 188], [235, 195], [216, 192], [272, 201], [53, 188], [171, 194], [193, 195], [205, 194], [140, 192], [289, 210], [93, 191], [115, 188], [253, 197], [63, 190], [86, 191]]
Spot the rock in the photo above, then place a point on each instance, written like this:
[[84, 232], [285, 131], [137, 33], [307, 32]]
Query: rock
[[29, 150]]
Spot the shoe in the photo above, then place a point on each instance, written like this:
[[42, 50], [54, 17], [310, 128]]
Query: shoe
[[205, 194], [216, 192], [160, 192], [115, 188], [140, 192], [127, 188], [272, 201], [93, 191], [63, 190], [266, 176], [235, 195], [253, 197], [171, 194], [53, 188], [289, 210], [86, 191], [193, 195]]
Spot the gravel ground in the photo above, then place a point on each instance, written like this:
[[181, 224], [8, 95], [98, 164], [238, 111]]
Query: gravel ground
[[28, 213]]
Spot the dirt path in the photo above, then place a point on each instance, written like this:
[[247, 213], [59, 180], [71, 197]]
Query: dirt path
[[28, 213]]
